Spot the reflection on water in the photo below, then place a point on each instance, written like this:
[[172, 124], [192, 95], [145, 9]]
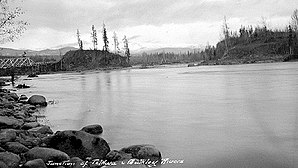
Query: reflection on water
[[213, 116]]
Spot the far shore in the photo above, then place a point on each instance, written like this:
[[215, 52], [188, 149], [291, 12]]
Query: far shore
[[152, 66]]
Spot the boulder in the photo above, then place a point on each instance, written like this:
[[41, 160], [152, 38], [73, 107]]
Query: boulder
[[10, 122], [115, 155], [42, 130], [2, 150], [46, 140], [16, 147], [20, 115], [29, 107], [33, 75], [143, 152], [28, 141], [93, 129], [37, 100], [7, 135], [14, 96], [3, 90], [9, 106], [30, 125], [36, 163], [46, 154], [80, 143], [3, 165], [77, 162], [10, 159], [22, 86], [30, 119]]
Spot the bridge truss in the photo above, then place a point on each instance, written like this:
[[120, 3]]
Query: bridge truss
[[16, 62]]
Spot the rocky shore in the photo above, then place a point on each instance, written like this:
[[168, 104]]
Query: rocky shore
[[26, 143]]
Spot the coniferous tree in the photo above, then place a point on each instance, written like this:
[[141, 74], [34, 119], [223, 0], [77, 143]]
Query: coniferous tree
[[290, 40], [126, 49], [105, 38], [94, 37], [226, 34], [294, 20], [80, 42]]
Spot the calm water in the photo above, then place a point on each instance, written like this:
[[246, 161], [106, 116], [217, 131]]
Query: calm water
[[212, 116]]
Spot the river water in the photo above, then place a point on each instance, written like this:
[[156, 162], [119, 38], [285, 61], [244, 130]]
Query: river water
[[207, 116]]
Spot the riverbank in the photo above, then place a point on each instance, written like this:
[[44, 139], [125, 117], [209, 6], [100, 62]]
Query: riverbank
[[25, 142]]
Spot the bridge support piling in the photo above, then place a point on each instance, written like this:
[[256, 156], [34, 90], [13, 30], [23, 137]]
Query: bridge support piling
[[12, 74]]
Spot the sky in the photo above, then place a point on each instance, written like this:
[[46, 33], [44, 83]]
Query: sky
[[146, 23]]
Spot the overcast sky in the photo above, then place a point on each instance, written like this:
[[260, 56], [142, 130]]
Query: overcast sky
[[146, 23]]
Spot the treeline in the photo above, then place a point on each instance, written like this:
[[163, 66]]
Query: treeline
[[247, 44], [105, 47], [166, 58]]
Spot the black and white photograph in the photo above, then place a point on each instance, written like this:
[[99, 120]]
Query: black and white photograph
[[148, 83]]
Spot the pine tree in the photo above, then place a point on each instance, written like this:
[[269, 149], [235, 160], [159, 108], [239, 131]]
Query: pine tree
[[226, 34], [294, 21], [290, 40], [126, 49], [94, 37], [105, 38], [80, 42]]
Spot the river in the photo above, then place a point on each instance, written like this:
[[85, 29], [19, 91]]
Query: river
[[207, 116]]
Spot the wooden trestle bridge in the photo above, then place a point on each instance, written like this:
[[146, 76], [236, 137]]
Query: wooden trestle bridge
[[23, 65], [16, 62]]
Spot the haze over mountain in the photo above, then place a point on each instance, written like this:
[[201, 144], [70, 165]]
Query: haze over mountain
[[62, 51], [46, 52]]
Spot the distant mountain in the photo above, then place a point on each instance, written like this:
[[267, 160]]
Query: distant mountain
[[175, 50], [46, 52]]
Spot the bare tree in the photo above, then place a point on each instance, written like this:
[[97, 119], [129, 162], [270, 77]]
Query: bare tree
[[264, 23], [105, 38], [94, 37], [294, 20], [10, 27], [116, 43]]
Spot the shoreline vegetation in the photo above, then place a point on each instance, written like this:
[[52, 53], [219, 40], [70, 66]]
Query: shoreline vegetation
[[26, 143]]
